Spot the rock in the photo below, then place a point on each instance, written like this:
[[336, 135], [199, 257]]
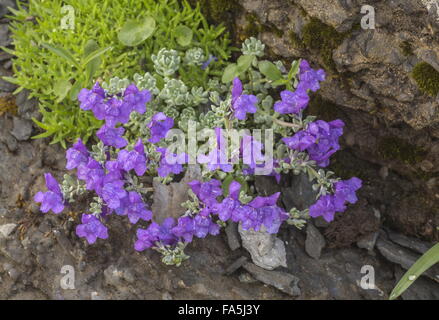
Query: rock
[[168, 198], [246, 277], [5, 40], [283, 281], [409, 242], [266, 185], [315, 242], [299, 194], [166, 296], [368, 242], [11, 142], [232, 235], [421, 289], [22, 129], [266, 250], [4, 7], [236, 265], [27, 108], [403, 257], [7, 229]]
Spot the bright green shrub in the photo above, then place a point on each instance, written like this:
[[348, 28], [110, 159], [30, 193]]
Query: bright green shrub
[[54, 63]]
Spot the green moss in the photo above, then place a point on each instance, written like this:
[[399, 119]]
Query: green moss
[[323, 108], [406, 48], [323, 38], [254, 26], [393, 148], [427, 78], [219, 11], [295, 40]]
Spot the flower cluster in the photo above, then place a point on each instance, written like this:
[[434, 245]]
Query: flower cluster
[[319, 139], [132, 145], [328, 205], [295, 102]]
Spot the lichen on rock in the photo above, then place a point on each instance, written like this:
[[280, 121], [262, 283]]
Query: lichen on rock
[[427, 78]]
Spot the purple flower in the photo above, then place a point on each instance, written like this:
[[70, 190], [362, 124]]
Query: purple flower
[[309, 78], [53, 198], [262, 211], [91, 228], [159, 126], [134, 159], [328, 205], [260, 202], [135, 99], [204, 225], [92, 99], [292, 102], [319, 139], [111, 136], [208, 62], [242, 103], [217, 158], [115, 111], [133, 206], [76, 155], [323, 207], [251, 151], [207, 192], [165, 168], [345, 189], [301, 141], [155, 232], [185, 228], [93, 174], [113, 191]]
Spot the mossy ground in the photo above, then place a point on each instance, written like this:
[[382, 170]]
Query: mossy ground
[[323, 108], [393, 148], [7, 104], [323, 38], [406, 48], [427, 78]]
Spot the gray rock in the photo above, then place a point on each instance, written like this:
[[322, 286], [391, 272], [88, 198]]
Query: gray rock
[[300, 194], [7, 229], [4, 7], [368, 241], [5, 85], [314, 242], [168, 198], [232, 235], [11, 142], [113, 276], [283, 281], [22, 129], [409, 242], [236, 265], [403, 257], [27, 108], [266, 250], [5, 40], [421, 289]]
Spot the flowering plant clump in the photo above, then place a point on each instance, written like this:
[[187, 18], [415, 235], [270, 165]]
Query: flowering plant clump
[[162, 130]]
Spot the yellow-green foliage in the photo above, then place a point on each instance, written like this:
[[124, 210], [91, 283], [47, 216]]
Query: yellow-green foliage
[[393, 148], [427, 78], [323, 38]]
